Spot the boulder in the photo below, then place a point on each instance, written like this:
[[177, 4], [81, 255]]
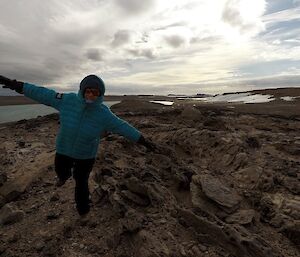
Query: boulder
[[291, 207], [191, 113], [248, 178], [132, 222], [10, 215], [142, 201], [241, 217], [267, 209], [218, 192], [234, 238], [12, 189], [136, 186]]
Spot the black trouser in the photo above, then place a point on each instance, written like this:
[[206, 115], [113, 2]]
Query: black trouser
[[81, 172]]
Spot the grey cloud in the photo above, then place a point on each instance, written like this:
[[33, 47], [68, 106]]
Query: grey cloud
[[73, 38], [202, 87], [248, 84], [276, 81], [148, 53], [162, 89], [175, 40], [172, 25], [128, 89], [94, 54], [196, 40], [144, 38], [247, 27], [135, 6], [206, 40], [231, 14], [191, 5], [40, 68], [28, 73], [251, 84], [121, 37], [45, 47]]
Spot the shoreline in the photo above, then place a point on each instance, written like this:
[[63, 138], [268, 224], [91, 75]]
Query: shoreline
[[277, 93]]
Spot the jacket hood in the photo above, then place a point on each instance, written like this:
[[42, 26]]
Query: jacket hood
[[92, 81]]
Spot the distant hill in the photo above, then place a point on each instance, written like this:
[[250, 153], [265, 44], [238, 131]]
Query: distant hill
[[279, 92], [276, 92]]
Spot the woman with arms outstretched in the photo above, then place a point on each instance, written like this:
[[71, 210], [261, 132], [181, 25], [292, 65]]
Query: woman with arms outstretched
[[83, 118]]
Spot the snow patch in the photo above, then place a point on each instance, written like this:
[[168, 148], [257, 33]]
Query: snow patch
[[163, 102], [289, 98], [247, 98]]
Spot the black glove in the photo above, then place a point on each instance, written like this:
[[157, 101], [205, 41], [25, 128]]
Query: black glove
[[147, 143], [12, 84]]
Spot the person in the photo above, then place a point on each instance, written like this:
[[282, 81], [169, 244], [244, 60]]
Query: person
[[83, 118]]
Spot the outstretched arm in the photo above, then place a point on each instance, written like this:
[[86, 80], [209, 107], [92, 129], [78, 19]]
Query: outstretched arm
[[119, 126], [40, 94], [43, 95]]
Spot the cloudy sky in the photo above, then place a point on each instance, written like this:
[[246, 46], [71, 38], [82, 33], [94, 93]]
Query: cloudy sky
[[152, 46]]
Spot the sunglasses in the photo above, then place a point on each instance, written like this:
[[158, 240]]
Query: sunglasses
[[93, 91]]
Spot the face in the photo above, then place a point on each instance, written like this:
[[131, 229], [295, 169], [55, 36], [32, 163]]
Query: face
[[91, 94]]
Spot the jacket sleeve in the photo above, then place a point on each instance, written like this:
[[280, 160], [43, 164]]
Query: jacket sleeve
[[43, 95], [121, 127]]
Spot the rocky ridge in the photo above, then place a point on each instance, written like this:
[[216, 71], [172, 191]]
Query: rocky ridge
[[220, 183]]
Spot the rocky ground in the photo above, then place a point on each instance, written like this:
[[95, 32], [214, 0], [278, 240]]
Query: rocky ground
[[222, 182]]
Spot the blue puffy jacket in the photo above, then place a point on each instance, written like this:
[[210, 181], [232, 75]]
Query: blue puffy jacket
[[81, 124]]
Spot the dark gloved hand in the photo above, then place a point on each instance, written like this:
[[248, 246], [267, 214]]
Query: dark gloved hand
[[147, 143], [12, 84]]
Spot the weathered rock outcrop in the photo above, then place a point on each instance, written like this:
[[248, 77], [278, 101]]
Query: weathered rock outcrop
[[219, 183]]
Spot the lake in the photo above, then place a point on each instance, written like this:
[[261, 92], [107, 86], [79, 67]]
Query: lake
[[11, 113]]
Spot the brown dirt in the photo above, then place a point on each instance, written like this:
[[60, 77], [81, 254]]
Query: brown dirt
[[222, 182]]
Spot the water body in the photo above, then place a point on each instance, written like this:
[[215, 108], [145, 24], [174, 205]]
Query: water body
[[11, 113]]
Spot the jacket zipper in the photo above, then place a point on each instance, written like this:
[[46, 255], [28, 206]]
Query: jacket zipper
[[78, 128]]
